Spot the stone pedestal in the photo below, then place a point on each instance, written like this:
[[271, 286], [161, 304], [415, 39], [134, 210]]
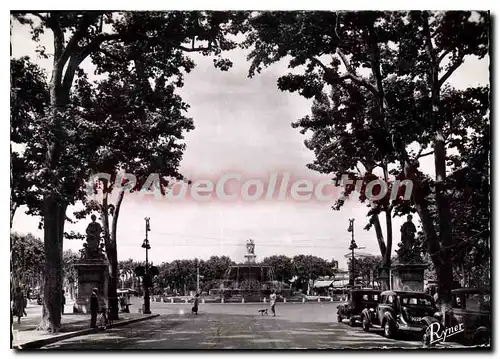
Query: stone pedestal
[[92, 273], [408, 277], [250, 258]]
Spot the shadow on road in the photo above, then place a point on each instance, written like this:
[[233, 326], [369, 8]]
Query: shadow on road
[[232, 331]]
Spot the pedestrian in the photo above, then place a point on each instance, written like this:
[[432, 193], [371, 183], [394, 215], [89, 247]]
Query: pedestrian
[[63, 302], [18, 304], [195, 305], [25, 305], [272, 302], [94, 307]]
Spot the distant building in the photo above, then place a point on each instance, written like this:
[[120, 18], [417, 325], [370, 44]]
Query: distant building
[[333, 284]]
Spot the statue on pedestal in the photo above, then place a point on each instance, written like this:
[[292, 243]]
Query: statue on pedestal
[[92, 249], [250, 247], [409, 251]]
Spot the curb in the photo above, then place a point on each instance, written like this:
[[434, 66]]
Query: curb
[[36, 344], [281, 303]]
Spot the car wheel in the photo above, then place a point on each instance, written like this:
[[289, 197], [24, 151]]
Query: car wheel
[[352, 322], [388, 329], [366, 324], [339, 318], [481, 338]]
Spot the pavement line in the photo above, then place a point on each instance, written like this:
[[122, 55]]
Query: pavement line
[[36, 344]]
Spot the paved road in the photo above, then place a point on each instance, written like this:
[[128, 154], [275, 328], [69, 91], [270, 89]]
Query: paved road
[[237, 326]]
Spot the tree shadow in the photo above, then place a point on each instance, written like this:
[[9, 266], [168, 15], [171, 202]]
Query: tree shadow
[[231, 331]]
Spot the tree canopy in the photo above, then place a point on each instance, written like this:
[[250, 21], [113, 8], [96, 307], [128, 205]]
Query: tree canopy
[[381, 95]]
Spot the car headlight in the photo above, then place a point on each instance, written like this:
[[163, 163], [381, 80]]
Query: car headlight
[[372, 310], [438, 315]]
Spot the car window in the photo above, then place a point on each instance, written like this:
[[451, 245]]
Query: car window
[[473, 301], [416, 301], [390, 299], [476, 301], [375, 297], [383, 299], [365, 296]]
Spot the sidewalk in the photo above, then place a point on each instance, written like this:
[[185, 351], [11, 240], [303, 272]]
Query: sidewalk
[[27, 337]]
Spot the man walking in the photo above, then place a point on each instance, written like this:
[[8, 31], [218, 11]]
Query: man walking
[[272, 301], [94, 308]]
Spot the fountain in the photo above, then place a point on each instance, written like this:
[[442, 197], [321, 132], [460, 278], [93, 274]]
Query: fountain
[[250, 281]]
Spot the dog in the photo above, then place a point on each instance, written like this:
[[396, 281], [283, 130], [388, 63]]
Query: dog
[[194, 310], [263, 311]]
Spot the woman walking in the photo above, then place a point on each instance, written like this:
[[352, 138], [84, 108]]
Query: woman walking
[[194, 310]]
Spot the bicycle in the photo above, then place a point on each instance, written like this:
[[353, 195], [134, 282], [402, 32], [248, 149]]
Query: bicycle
[[104, 321]]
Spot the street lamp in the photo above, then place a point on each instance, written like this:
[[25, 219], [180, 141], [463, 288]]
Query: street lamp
[[146, 280], [352, 247], [197, 276]]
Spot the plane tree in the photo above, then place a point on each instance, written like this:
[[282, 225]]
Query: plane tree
[[65, 141], [381, 97]]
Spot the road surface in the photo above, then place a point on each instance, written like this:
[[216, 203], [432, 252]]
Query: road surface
[[238, 326]]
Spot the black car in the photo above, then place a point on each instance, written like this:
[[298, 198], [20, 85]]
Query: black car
[[471, 307], [359, 299], [400, 311]]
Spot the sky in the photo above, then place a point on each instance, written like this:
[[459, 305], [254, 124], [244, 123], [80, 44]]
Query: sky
[[242, 126]]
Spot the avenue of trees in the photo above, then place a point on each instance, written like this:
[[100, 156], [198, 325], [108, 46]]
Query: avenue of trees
[[381, 100], [67, 129], [28, 261], [180, 275]]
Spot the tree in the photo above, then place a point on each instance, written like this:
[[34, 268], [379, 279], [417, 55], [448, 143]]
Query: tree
[[29, 97], [309, 268], [153, 37], [365, 267], [282, 266], [126, 269], [139, 122], [404, 100], [215, 267], [69, 270], [27, 259]]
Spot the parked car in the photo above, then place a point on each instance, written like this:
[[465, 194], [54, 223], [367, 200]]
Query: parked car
[[401, 311], [358, 300], [472, 308]]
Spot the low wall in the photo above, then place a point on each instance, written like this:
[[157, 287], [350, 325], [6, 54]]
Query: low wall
[[304, 299]]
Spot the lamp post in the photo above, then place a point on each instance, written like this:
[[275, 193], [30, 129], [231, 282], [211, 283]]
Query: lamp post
[[197, 276], [352, 247], [146, 281]]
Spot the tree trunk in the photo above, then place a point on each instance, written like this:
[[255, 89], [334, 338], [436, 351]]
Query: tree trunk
[[54, 213], [445, 269], [386, 257], [113, 261], [380, 236], [385, 249], [440, 259], [110, 252], [13, 209], [53, 209]]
